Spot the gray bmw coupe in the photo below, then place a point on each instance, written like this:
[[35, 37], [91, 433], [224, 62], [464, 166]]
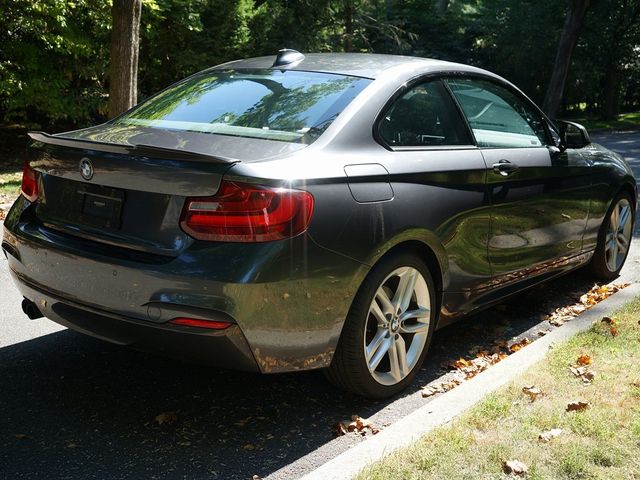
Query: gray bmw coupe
[[312, 211]]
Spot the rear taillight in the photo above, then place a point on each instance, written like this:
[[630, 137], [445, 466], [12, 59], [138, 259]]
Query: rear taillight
[[242, 212], [29, 186]]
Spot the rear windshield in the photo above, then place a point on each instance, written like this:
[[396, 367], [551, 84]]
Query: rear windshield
[[288, 106]]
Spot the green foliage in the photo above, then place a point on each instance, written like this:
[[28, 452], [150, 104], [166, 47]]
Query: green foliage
[[52, 59], [54, 54]]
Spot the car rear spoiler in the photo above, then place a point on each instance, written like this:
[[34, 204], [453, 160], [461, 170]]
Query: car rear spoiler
[[137, 150]]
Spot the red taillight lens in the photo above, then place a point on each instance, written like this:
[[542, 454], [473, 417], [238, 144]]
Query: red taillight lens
[[194, 322], [241, 212], [29, 186]]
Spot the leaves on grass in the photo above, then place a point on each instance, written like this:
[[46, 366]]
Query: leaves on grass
[[514, 467], [518, 345], [582, 372], [357, 425], [549, 435], [592, 297], [167, 417], [613, 325], [578, 406], [584, 359], [532, 391]]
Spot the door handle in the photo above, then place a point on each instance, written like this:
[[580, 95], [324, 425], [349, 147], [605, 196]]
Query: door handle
[[505, 167]]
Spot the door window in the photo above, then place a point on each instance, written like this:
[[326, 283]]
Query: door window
[[498, 118], [424, 116]]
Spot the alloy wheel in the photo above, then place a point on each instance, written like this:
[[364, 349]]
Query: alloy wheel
[[397, 325], [618, 235]]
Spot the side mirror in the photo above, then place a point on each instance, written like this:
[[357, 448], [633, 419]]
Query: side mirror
[[573, 135]]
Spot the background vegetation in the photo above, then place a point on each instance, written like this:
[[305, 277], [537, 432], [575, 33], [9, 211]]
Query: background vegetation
[[54, 54]]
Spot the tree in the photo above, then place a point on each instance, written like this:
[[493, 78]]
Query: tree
[[568, 39], [123, 62]]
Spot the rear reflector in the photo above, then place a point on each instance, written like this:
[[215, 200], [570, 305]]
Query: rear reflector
[[242, 212], [194, 322], [29, 186]]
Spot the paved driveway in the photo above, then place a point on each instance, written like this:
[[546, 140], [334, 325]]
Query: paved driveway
[[76, 408]]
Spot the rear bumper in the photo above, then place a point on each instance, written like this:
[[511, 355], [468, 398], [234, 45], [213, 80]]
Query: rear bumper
[[227, 348], [288, 299]]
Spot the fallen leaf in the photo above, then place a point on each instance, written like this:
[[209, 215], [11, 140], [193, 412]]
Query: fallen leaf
[[584, 373], [167, 417], [577, 406], [357, 425], [256, 477], [532, 391], [518, 345], [542, 333], [614, 331], [584, 359], [588, 377], [249, 446], [72, 445], [515, 467], [608, 320], [22, 436], [549, 435], [440, 387]]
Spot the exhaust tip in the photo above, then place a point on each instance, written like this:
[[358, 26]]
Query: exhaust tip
[[31, 310]]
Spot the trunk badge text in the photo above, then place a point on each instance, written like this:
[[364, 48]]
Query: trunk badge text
[[86, 169]]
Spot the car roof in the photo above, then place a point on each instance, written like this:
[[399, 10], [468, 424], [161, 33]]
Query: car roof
[[369, 65]]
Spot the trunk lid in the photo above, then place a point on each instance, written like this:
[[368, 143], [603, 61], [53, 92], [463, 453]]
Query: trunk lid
[[127, 186]]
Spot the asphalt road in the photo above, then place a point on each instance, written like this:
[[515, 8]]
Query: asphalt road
[[72, 407]]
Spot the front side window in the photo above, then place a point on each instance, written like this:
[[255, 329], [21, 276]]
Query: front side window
[[290, 106], [424, 116], [498, 118]]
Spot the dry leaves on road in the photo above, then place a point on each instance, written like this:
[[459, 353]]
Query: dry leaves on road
[[592, 297], [440, 387], [578, 406], [167, 417], [549, 435], [514, 467], [532, 391], [518, 345], [357, 425]]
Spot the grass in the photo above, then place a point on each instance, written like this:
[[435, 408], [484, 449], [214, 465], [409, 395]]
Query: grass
[[602, 442], [10, 183], [625, 121]]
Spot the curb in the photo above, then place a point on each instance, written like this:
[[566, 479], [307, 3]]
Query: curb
[[449, 405]]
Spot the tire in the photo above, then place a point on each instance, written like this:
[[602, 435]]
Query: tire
[[602, 265], [349, 368]]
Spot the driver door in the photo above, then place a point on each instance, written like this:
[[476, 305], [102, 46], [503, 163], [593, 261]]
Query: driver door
[[539, 195]]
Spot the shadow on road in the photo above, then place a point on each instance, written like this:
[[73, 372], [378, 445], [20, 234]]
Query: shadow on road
[[77, 408]]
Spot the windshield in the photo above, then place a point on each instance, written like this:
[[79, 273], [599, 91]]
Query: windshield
[[288, 106]]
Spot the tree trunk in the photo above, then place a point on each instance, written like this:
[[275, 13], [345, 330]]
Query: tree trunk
[[348, 26], [123, 60], [611, 95], [442, 6], [568, 39]]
